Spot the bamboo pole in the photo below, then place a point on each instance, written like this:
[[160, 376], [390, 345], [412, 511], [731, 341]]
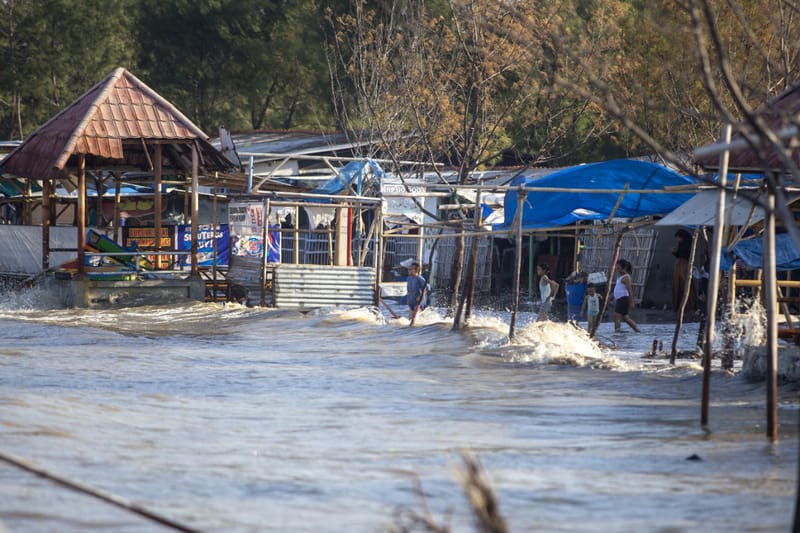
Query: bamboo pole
[[330, 245], [770, 301], [362, 253], [563, 231], [713, 281], [521, 195], [614, 258], [380, 250], [531, 261], [582, 190], [794, 284], [685, 298]]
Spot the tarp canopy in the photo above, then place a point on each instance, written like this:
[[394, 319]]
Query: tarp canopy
[[353, 173], [546, 209], [701, 210], [751, 253]]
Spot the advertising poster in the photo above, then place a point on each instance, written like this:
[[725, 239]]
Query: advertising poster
[[144, 238], [205, 244], [246, 227]]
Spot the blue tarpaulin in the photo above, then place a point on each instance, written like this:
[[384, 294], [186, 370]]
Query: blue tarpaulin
[[751, 253], [350, 174], [552, 209]]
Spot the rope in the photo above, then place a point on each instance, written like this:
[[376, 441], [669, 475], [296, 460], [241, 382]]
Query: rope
[[105, 496]]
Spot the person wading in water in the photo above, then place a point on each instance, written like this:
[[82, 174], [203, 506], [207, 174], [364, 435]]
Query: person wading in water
[[623, 294]]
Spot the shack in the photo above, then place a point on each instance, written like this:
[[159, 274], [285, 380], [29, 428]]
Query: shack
[[604, 208]]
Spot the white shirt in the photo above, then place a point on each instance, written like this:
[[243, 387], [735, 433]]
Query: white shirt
[[593, 304], [545, 288], [620, 290]]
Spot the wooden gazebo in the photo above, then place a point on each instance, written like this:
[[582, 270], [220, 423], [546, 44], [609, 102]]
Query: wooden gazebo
[[119, 125]]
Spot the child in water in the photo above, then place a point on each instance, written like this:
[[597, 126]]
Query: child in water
[[591, 306], [416, 291]]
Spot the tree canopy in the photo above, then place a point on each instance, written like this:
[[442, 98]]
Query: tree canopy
[[468, 83]]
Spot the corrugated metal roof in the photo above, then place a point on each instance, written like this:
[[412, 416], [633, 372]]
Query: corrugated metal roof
[[292, 142], [109, 122], [782, 116]]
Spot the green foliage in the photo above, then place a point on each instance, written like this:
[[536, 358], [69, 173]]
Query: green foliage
[[52, 51], [239, 63], [468, 83]]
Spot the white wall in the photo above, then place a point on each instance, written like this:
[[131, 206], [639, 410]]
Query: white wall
[[21, 247]]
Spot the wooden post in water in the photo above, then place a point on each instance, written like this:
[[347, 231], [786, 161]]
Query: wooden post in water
[[465, 302], [771, 303], [685, 298], [521, 195], [713, 277], [457, 320]]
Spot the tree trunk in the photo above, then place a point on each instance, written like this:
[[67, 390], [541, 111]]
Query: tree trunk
[[458, 270]]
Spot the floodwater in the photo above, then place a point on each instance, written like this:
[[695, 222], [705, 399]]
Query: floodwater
[[229, 419]]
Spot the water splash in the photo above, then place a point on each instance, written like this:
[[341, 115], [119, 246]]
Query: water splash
[[368, 315], [39, 297], [553, 342], [749, 325], [537, 342]]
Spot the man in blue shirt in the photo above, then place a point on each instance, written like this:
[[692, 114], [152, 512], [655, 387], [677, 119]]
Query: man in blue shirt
[[416, 287]]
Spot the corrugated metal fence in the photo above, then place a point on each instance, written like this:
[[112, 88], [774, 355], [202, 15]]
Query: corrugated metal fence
[[312, 286], [304, 286]]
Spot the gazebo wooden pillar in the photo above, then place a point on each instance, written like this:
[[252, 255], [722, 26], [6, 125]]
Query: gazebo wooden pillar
[[157, 169], [46, 219], [81, 215], [195, 207]]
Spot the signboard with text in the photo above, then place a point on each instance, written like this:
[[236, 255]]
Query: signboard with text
[[205, 244], [144, 238]]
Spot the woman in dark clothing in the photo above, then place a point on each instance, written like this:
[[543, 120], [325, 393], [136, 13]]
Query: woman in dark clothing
[[681, 275]]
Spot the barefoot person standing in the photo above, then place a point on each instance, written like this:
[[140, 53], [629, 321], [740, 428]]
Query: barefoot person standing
[[416, 289], [547, 291], [623, 295]]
